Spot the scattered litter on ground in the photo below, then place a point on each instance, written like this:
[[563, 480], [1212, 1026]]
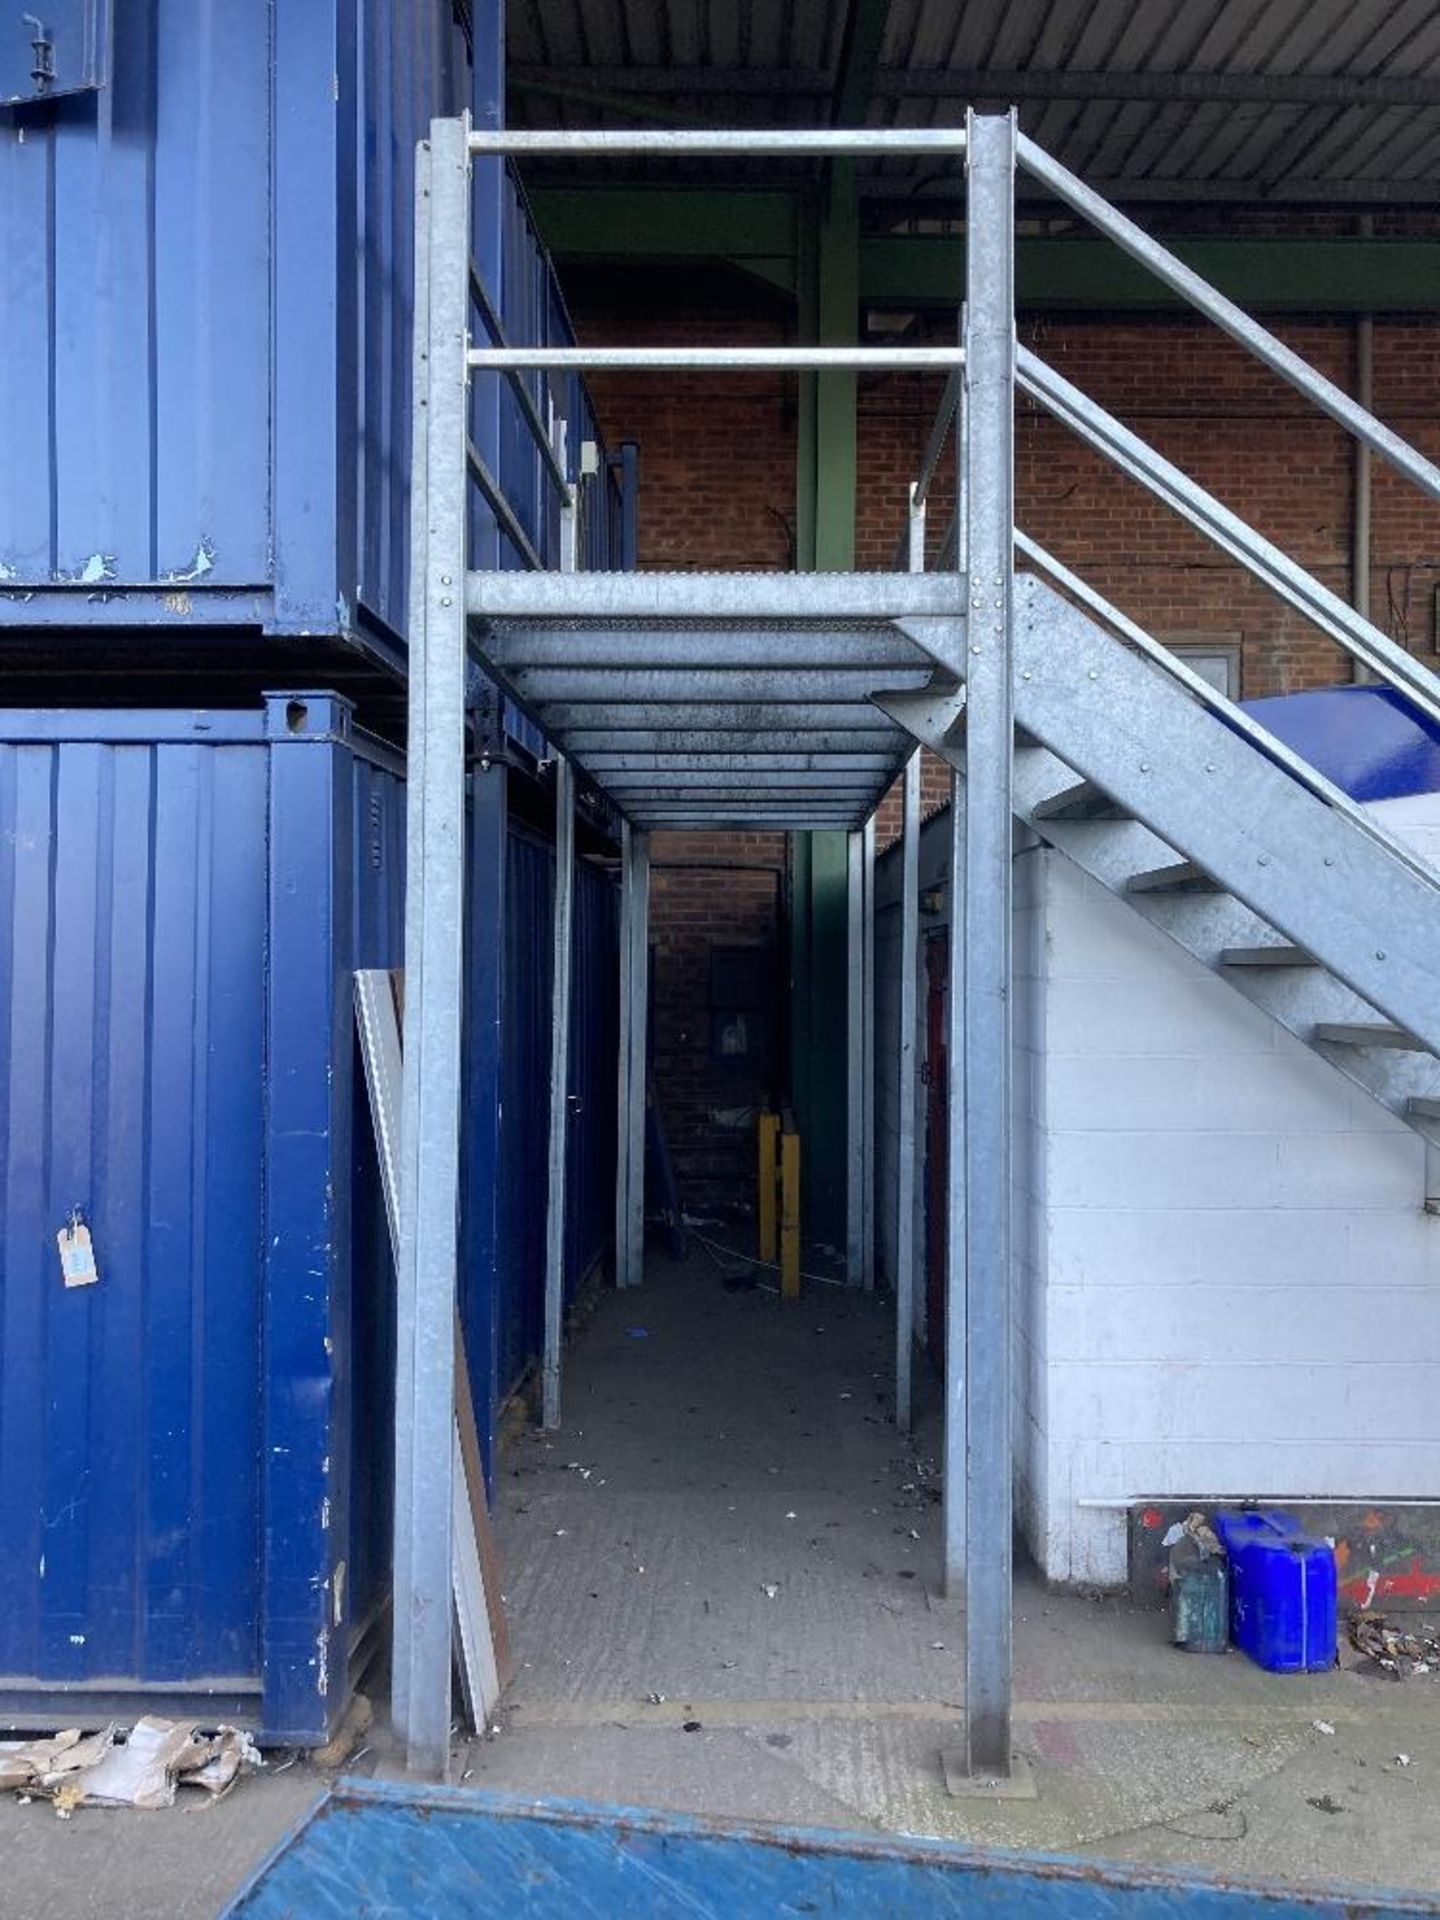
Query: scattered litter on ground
[[1323, 1803], [139, 1768], [655, 1699], [637, 1333], [769, 1588], [1322, 1726], [1394, 1650], [691, 1726]]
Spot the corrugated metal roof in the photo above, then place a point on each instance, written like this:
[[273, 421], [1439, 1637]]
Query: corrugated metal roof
[[1264, 100]]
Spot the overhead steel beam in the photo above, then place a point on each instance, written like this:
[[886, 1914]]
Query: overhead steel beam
[[846, 359], [827, 719], [593, 599], [582, 741], [610, 763], [749, 143], [756, 779], [784, 820], [653, 225], [621, 649], [720, 685], [1018, 84], [916, 194]]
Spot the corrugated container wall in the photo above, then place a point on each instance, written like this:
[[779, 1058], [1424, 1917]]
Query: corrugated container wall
[[195, 1451], [205, 307], [206, 310]]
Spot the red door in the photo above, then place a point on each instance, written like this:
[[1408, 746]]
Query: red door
[[937, 1142]]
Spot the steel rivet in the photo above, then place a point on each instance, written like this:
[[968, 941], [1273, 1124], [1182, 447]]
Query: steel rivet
[[1026, 674], [1264, 860], [1144, 766], [446, 601], [1209, 766], [1379, 953], [975, 649], [1328, 861], [444, 579], [1094, 675]]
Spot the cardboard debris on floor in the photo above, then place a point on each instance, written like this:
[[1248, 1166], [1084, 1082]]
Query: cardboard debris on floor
[[1395, 1650], [113, 1768]]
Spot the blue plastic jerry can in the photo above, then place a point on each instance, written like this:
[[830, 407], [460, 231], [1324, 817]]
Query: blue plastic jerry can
[[1282, 1591]]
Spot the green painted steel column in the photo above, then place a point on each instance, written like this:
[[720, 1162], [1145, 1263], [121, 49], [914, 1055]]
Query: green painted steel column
[[829, 288]]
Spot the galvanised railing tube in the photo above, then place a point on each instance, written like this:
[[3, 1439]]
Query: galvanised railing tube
[[1280, 359], [1259, 556]]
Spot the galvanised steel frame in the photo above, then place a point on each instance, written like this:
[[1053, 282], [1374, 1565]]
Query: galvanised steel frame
[[794, 701], [691, 700]]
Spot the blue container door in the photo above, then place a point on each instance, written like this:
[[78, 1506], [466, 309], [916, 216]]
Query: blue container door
[[132, 879]]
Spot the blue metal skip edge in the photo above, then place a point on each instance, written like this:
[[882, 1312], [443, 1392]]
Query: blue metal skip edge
[[384, 1849]]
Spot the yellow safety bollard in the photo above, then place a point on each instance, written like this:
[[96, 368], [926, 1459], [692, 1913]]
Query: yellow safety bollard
[[790, 1216], [769, 1176]]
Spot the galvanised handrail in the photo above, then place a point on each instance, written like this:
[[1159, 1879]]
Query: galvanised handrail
[[1232, 319], [1261, 557]]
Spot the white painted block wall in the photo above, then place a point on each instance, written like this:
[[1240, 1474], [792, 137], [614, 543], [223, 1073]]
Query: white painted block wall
[[1225, 1281], [1239, 1274]]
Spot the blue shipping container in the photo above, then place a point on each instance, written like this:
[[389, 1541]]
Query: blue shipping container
[[195, 1451], [207, 309]]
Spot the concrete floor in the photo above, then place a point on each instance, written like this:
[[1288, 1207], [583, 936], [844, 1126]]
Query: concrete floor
[[719, 1576], [719, 1446]]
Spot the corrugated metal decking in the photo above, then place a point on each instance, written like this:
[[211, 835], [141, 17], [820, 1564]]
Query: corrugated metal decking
[[1220, 99]]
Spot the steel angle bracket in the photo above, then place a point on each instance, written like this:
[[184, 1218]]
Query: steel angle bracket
[[931, 714], [929, 717]]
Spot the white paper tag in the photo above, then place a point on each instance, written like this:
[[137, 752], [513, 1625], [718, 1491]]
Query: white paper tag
[[77, 1256]]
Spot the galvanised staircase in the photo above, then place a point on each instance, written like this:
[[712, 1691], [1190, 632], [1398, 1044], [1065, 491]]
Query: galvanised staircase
[[1138, 770]]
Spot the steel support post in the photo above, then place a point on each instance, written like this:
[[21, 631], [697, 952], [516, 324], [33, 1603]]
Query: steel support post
[[622, 1066], [867, 1084], [639, 1020], [854, 1059], [434, 959], [985, 1015], [906, 1078], [957, 1385], [559, 1091]]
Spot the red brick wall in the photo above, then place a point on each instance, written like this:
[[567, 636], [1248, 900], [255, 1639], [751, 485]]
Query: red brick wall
[[709, 890], [718, 458], [717, 489]]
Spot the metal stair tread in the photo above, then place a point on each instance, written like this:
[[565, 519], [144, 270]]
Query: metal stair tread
[[1368, 1033], [1181, 876], [1269, 956], [1084, 801]]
